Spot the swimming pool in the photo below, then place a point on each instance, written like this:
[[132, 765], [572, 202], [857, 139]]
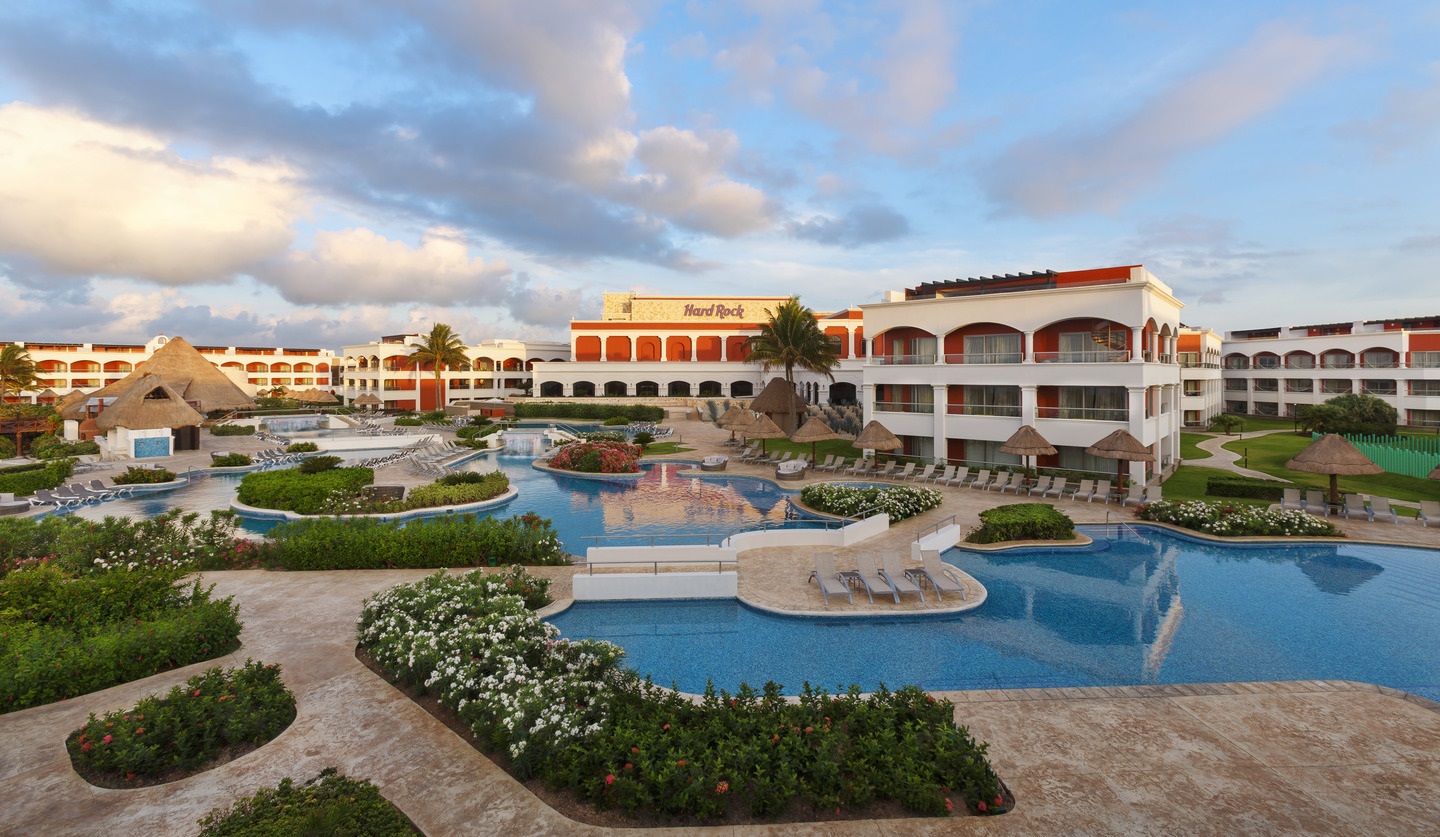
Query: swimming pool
[[1157, 608]]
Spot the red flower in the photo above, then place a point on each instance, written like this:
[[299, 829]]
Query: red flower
[[722, 788], [982, 806], [949, 806], [680, 763], [86, 747], [610, 780], [634, 749], [139, 730], [667, 726], [627, 765], [107, 740]]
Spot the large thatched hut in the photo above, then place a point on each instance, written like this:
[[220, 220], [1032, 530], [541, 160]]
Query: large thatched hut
[[145, 420]]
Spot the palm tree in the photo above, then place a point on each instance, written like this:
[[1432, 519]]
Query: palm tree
[[17, 371], [792, 338], [441, 348]]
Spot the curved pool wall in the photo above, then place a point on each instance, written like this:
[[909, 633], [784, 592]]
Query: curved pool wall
[[1148, 609]]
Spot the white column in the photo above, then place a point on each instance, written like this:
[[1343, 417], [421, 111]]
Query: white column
[[724, 349], [850, 341], [694, 348], [1137, 427], [941, 399], [1137, 351], [1029, 347], [603, 357], [867, 403], [1028, 404]]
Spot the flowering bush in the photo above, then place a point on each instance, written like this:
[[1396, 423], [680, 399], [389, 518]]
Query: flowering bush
[[450, 541], [186, 729], [598, 458], [144, 476], [1227, 520], [229, 460], [290, 489], [173, 539], [1022, 522], [340, 804], [569, 713], [899, 501]]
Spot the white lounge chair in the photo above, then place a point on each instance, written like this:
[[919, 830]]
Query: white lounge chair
[[1291, 500], [924, 473], [961, 475], [896, 574], [942, 477], [1429, 511], [830, 581], [1042, 485], [1316, 503], [903, 473], [1380, 507], [1355, 509], [1102, 490], [872, 579], [942, 579], [982, 480], [1085, 490], [1135, 495], [1056, 489], [884, 472]]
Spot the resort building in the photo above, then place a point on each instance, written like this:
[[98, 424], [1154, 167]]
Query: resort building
[[1201, 388], [955, 368], [65, 367], [1276, 371], [497, 369], [691, 347]]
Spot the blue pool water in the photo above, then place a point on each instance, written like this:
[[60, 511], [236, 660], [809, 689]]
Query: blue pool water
[[1154, 609]]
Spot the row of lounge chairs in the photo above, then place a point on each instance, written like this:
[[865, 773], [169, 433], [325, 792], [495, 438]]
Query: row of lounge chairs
[[955, 476], [1354, 507], [276, 456], [367, 427], [890, 577], [75, 494]]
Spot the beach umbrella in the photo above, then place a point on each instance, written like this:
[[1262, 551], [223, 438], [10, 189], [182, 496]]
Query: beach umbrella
[[779, 396], [877, 437], [369, 399], [1121, 447], [764, 428], [1332, 454], [1027, 441], [813, 431], [736, 418]]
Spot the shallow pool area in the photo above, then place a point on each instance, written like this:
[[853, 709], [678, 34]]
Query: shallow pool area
[[1150, 607]]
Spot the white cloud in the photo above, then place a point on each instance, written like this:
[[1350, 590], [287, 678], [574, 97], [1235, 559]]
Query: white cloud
[[1409, 120], [684, 180], [83, 198], [359, 265], [1079, 169]]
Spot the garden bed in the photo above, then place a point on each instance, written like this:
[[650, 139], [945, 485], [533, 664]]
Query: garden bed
[[326, 804]]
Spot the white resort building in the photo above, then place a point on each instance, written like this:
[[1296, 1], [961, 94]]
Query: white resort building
[[497, 369], [1201, 388]]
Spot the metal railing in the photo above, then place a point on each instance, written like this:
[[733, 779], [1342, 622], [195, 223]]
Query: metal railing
[[1083, 413], [1007, 411], [654, 566], [904, 407], [934, 527], [1088, 356], [649, 540], [901, 360], [983, 358]]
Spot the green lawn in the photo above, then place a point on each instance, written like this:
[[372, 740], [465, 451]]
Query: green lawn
[[665, 449], [1189, 446], [1188, 483], [1270, 453], [841, 447]]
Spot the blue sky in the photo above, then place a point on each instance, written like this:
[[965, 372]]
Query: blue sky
[[317, 172]]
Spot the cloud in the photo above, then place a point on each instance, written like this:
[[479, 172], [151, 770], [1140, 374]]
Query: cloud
[[1079, 169], [1202, 259], [684, 180], [549, 307], [84, 197], [1409, 120], [858, 227], [359, 265]]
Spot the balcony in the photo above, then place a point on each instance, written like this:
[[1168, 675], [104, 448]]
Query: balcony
[[903, 407], [1083, 413], [1299, 386], [1198, 364], [1378, 388], [1091, 356], [902, 360], [977, 358], [983, 410]]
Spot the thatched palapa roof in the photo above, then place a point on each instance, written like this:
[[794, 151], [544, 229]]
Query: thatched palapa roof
[[1121, 445], [146, 405], [186, 372], [778, 397], [1027, 441], [877, 436], [1332, 454]]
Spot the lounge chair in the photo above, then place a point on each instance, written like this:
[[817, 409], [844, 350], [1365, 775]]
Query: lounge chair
[[88, 493], [903, 473], [43, 497], [1056, 489], [1380, 507], [943, 477], [872, 579], [1102, 490], [1429, 510], [1154, 494], [895, 573], [1316, 503], [886, 471], [784, 456], [942, 579], [830, 581], [1291, 499], [1042, 485], [924, 474], [1354, 508], [1086, 490], [1005, 482], [1135, 495], [861, 466], [961, 475], [982, 479], [840, 464], [64, 492], [829, 460]]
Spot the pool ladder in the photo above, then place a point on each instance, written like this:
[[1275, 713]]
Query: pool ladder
[[1121, 529]]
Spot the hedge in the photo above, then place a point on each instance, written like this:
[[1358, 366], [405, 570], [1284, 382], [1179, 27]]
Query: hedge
[[341, 804], [454, 541], [291, 490], [229, 460], [232, 430], [50, 446], [28, 481], [1022, 522], [581, 410], [1248, 487]]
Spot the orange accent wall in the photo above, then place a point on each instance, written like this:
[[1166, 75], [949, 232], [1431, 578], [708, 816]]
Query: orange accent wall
[[1187, 343], [860, 341], [708, 348], [617, 348], [429, 394], [1047, 396], [735, 349], [954, 396], [955, 450], [1100, 274], [843, 334], [647, 348], [677, 348], [1425, 342]]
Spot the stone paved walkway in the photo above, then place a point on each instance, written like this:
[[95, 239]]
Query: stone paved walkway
[[1226, 459]]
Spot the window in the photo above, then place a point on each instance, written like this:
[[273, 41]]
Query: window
[[1091, 347], [1267, 362], [1263, 409], [1237, 362], [1189, 359], [992, 348], [988, 453], [1235, 385], [1378, 359], [1300, 361], [1334, 386], [1093, 403], [1299, 385], [1378, 387], [1424, 418], [990, 401], [1425, 387], [1239, 407], [1336, 360], [1425, 360], [1267, 385], [1192, 388]]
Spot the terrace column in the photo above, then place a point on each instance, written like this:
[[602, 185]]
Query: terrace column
[[867, 403], [941, 399], [1137, 351], [694, 348], [603, 358], [1028, 404], [724, 349], [1029, 347]]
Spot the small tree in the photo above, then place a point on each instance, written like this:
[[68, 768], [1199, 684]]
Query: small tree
[[1228, 423], [1351, 414], [442, 348], [17, 372]]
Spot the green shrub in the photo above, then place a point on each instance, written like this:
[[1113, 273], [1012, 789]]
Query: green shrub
[[471, 432], [185, 729], [27, 479], [1226, 520], [439, 494], [320, 464], [642, 439], [7, 448], [50, 446], [229, 460], [144, 476], [171, 539], [451, 541], [23, 467], [408, 421], [301, 447], [66, 635], [291, 489], [900, 502], [434, 415], [584, 410], [1234, 485], [327, 804], [232, 430], [1022, 522], [614, 421], [568, 712]]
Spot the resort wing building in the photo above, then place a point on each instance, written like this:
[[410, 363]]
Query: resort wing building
[[1202, 395], [1276, 371], [496, 369], [691, 347], [956, 367]]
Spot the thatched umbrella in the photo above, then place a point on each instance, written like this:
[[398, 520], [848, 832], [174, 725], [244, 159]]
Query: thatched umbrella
[[764, 428], [877, 437], [320, 396], [1332, 454], [813, 431], [1121, 447], [779, 396], [1027, 441], [369, 399], [735, 418]]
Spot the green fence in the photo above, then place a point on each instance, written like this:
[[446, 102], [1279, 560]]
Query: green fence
[[1413, 456]]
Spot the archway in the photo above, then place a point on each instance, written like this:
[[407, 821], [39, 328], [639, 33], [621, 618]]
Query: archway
[[552, 389], [842, 394], [615, 389], [678, 389], [742, 389], [583, 389]]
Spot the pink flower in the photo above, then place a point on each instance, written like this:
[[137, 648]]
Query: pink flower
[[982, 806], [106, 740], [610, 779], [949, 806]]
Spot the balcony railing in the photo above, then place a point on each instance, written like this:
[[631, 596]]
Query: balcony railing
[[1267, 363], [901, 360], [1378, 389], [903, 407], [1236, 364], [983, 410], [1307, 363], [978, 358], [1095, 356], [1380, 364], [1083, 413], [1199, 364], [1335, 387], [1300, 386], [1337, 364], [1261, 386]]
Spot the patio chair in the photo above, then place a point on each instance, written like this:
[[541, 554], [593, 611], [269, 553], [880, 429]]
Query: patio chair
[[924, 474], [941, 476], [64, 492], [784, 456], [872, 579], [903, 473], [1429, 510], [1042, 485], [90, 494], [898, 576], [1380, 507], [1085, 489], [1102, 490], [1354, 508], [982, 479], [840, 464], [942, 579], [830, 581], [823, 466], [118, 490], [43, 497], [861, 467], [886, 471], [1005, 481], [1056, 489], [961, 474], [1154, 494], [1315, 503], [1291, 500], [1135, 495]]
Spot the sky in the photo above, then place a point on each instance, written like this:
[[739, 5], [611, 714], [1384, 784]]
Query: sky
[[316, 173]]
